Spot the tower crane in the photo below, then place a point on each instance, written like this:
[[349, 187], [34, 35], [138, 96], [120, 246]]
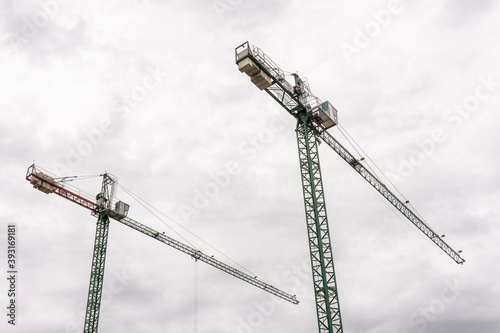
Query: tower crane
[[314, 118], [106, 207]]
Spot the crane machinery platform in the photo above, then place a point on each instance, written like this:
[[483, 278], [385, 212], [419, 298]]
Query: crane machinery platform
[[314, 118], [106, 207]]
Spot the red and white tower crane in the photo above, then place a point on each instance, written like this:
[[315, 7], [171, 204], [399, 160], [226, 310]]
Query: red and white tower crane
[[106, 207]]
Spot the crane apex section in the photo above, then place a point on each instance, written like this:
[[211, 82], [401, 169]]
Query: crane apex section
[[296, 99]]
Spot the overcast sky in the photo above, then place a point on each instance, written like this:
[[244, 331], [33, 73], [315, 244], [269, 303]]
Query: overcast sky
[[149, 91]]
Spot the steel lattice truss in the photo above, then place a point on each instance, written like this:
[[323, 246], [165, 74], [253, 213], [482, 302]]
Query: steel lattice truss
[[395, 201], [198, 255], [325, 285], [97, 274], [99, 257]]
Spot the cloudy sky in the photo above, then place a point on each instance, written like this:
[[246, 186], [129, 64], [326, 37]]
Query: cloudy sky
[[148, 91]]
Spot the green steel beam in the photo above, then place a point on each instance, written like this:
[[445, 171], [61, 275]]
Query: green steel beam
[[277, 90], [97, 275], [391, 197], [98, 259], [325, 285], [198, 255]]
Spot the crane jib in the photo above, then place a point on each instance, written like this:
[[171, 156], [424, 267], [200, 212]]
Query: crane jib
[[198, 255], [46, 184], [396, 202]]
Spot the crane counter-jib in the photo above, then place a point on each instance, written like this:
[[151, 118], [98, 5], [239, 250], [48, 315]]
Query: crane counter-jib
[[296, 99], [47, 184]]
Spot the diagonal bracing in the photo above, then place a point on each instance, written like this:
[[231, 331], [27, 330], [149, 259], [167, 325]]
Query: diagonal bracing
[[325, 285]]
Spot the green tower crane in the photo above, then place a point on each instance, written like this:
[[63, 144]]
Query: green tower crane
[[105, 207], [314, 117]]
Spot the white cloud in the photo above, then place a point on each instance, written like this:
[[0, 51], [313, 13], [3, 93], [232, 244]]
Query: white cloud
[[77, 96]]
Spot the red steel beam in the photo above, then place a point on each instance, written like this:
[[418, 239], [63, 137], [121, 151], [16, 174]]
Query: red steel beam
[[61, 191]]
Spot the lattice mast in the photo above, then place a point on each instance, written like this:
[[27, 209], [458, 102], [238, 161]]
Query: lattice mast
[[314, 117], [99, 255]]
